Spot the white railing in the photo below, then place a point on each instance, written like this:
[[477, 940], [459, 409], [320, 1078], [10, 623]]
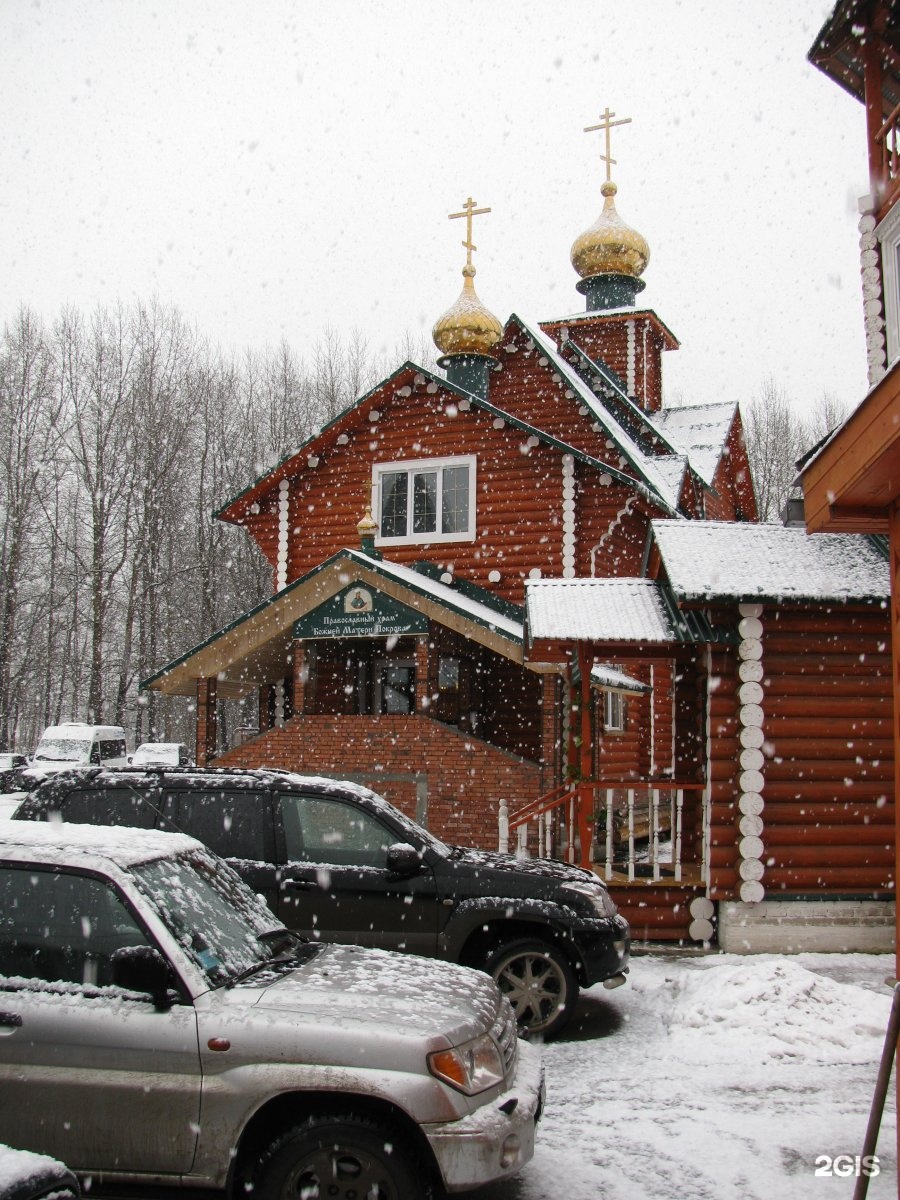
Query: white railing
[[635, 829]]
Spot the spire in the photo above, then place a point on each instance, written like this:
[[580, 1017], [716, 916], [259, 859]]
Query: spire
[[610, 256], [468, 331]]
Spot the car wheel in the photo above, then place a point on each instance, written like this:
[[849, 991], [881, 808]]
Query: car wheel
[[344, 1158], [539, 983]]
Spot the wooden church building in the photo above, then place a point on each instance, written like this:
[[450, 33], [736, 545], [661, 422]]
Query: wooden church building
[[532, 606]]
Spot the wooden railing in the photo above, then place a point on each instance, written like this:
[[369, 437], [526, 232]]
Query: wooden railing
[[619, 828], [888, 138]]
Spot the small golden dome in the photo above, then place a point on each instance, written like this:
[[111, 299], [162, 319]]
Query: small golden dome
[[610, 247], [467, 327], [367, 527]]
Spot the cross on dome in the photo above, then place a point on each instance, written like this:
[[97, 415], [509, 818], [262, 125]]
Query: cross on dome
[[606, 124], [469, 211]]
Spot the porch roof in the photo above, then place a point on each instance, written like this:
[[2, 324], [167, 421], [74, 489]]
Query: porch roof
[[733, 561], [624, 612], [608, 678], [256, 647]]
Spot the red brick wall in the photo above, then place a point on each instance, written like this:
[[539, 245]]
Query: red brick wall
[[465, 777]]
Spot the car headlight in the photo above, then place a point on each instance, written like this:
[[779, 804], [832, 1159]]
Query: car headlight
[[598, 897], [472, 1067]]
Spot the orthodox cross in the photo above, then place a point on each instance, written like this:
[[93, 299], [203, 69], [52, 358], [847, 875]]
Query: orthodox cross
[[606, 124], [469, 211]]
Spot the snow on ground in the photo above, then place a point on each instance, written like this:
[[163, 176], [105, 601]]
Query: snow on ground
[[719, 1077]]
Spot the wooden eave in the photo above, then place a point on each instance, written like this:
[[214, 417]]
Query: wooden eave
[[612, 426], [850, 484], [235, 509], [838, 49], [642, 426], [256, 648], [559, 650], [617, 316]]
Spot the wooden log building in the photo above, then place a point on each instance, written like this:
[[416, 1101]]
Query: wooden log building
[[487, 605], [851, 484]]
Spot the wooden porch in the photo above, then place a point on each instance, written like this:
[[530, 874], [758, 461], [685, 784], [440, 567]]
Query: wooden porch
[[648, 840]]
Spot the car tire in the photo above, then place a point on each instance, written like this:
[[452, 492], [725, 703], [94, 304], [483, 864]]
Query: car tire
[[538, 981], [339, 1157]]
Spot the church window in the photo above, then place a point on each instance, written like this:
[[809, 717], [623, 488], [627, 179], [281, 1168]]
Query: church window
[[428, 500]]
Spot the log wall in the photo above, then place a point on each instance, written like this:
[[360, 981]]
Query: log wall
[[518, 504], [828, 816]]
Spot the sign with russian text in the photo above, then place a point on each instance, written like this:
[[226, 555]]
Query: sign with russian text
[[360, 611]]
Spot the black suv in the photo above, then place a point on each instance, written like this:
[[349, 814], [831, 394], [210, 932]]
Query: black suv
[[336, 861]]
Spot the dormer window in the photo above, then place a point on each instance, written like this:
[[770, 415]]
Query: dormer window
[[425, 500]]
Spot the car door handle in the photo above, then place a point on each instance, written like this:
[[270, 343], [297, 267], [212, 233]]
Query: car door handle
[[10, 1020]]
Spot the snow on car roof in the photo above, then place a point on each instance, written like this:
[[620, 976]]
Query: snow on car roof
[[735, 560], [63, 843]]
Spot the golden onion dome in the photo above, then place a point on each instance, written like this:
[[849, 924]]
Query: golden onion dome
[[467, 327], [610, 247]]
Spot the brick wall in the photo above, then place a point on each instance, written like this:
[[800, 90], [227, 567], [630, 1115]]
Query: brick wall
[[408, 759]]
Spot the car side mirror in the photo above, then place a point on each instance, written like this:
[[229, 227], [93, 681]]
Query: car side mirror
[[403, 859], [142, 969]]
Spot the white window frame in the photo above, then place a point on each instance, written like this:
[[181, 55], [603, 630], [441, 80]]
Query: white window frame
[[412, 467], [613, 712], [888, 235]]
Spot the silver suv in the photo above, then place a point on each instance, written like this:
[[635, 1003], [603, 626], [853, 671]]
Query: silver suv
[[158, 1025]]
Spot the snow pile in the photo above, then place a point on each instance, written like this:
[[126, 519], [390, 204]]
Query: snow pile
[[22, 1168], [782, 1008], [722, 1077]]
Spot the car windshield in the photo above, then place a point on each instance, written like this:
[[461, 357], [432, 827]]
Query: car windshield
[[223, 927], [63, 750]]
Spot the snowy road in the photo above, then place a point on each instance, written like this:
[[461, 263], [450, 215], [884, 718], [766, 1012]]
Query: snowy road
[[716, 1078]]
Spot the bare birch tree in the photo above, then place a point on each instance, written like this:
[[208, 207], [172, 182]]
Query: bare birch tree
[[777, 436]]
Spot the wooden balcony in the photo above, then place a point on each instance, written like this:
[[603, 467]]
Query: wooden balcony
[[887, 141]]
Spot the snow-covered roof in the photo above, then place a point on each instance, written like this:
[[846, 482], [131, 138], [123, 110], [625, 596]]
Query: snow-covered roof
[[712, 560], [645, 465], [612, 610], [672, 468], [701, 430], [697, 433], [605, 676]]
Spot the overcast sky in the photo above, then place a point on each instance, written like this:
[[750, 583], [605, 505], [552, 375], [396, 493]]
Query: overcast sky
[[274, 168]]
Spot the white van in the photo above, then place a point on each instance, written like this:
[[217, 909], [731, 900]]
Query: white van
[[75, 744], [161, 754]]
